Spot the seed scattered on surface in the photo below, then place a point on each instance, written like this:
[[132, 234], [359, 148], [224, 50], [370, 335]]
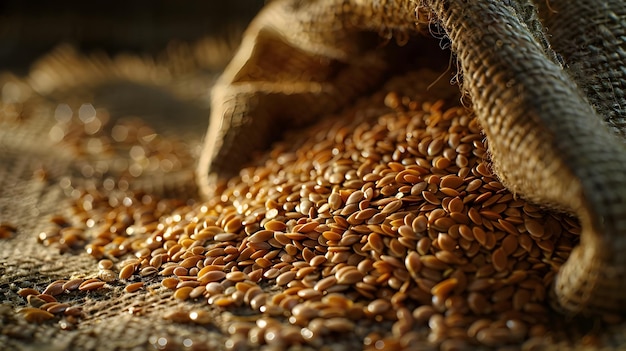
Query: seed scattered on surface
[[35, 301], [378, 306], [91, 284], [35, 315], [170, 283], [285, 278], [127, 271], [45, 297], [357, 220], [58, 308], [54, 288], [499, 260], [133, 287], [236, 276], [107, 275], [182, 293], [105, 264], [212, 276], [24, 292], [73, 284]]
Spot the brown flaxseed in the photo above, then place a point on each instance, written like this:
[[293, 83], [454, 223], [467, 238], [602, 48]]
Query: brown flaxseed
[[25, 292], [89, 285], [357, 220], [130, 288], [127, 271], [54, 288], [35, 315]]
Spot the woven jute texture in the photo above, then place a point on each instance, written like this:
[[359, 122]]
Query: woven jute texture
[[550, 114], [169, 91]]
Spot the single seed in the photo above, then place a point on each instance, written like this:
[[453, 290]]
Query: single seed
[[35, 315], [451, 181], [444, 288], [212, 276], [480, 235], [325, 283], [304, 228], [182, 293], [225, 237], [275, 226], [148, 271], [178, 271], [392, 207], [35, 301], [236, 276], [309, 294], [534, 228], [47, 305], [355, 197], [318, 260], [46, 297], [261, 236], [510, 244], [105, 264], [285, 278], [455, 205], [89, 285], [54, 289], [508, 227], [431, 198], [107, 275], [478, 303], [499, 259], [25, 292], [74, 311], [232, 226], [170, 283], [73, 284], [130, 288], [156, 261], [126, 271], [58, 308], [474, 216], [494, 336], [378, 306], [190, 262], [349, 277], [433, 262]]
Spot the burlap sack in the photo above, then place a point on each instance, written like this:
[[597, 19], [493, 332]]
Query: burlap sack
[[527, 88], [549, 97]]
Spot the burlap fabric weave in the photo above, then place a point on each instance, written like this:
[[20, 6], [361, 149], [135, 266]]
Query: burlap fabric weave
[[551, 100], [34, 164]]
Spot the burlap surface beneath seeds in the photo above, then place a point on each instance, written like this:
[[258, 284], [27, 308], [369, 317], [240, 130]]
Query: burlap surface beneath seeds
[[114, 319], [125, 86]]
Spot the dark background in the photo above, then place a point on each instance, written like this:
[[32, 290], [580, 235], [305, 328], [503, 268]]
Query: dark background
[[29, 29]]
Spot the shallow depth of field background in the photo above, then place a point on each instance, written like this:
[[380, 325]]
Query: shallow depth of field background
[[29, 29]]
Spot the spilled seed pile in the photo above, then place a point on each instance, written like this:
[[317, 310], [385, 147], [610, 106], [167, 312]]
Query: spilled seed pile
[[383, 224]]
